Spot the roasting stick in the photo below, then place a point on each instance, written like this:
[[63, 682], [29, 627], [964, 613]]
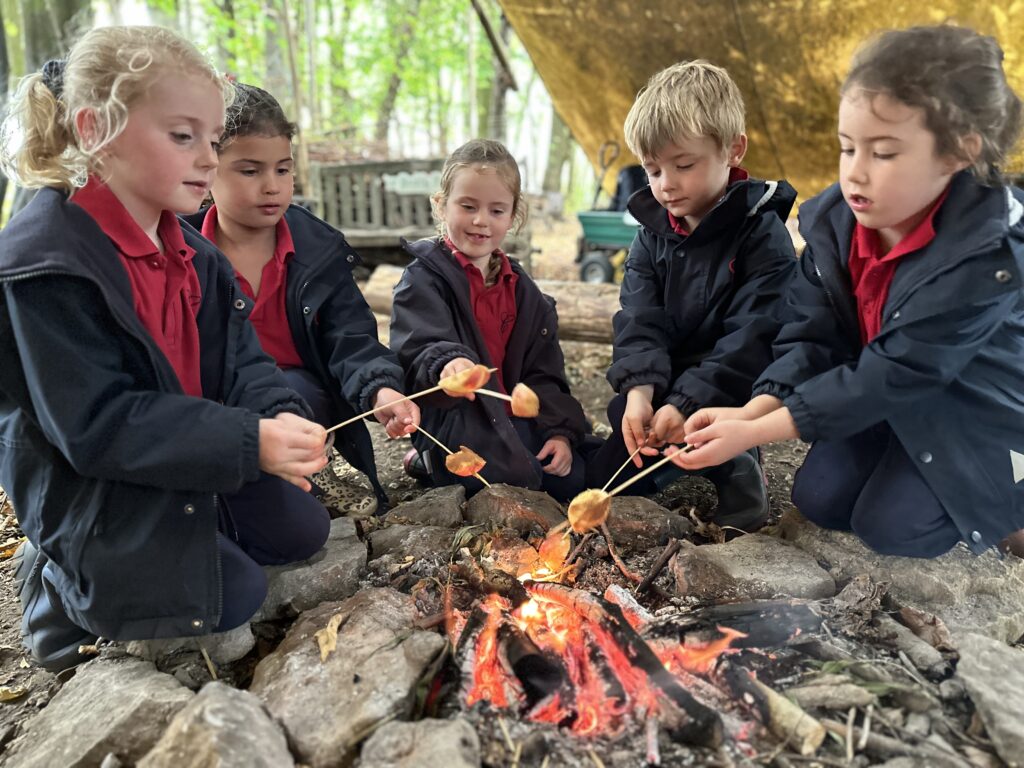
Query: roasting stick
[[660, 462], [449, 451], [413, 396], [624, 465]]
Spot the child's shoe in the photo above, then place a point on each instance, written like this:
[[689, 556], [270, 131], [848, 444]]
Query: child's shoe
[[742, 493], [416, 467], [50, 636]]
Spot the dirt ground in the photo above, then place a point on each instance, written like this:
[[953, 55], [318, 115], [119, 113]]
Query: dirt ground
[[25, 689]]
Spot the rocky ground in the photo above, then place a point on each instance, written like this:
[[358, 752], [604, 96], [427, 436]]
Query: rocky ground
[[908, 662]]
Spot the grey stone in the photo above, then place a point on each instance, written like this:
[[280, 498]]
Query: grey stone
[[448, 743], [509, 553], [331, 574], [749, 567], [328, 707], [505, 506], [113, 706], [222, 727], [223, 647], [638, 524], [416, 541], [970, 593], [438, 506], [993, 674]]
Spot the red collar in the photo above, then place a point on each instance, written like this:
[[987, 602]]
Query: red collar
[[99, 201], [869, 245], [284, 245], [679, 227], [465, 261]]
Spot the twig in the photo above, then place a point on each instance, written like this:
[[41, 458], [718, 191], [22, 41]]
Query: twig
[[595, 758], [579, 548], [372, 411], [635, 578], [449, 451], [209, 661], [506, 734], [865, 728], [851, 717], [666, 554], [617, 471], [884, 746], [651, 734]]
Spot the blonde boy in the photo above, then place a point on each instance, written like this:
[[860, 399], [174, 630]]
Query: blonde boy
[[703, 285]]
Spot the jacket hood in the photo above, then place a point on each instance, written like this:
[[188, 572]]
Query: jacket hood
[[434, 256], [742, 199]]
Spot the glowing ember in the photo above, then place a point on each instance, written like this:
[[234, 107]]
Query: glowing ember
[[591, 682]]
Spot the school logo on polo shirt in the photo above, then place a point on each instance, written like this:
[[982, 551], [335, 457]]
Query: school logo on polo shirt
[[1017, 462]]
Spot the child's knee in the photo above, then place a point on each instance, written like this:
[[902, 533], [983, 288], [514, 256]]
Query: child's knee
[[823, 504]]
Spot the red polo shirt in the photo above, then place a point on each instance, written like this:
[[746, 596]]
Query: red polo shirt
[[494, 305], [679, 227], [270, 315], [872, 270], [165, 287]]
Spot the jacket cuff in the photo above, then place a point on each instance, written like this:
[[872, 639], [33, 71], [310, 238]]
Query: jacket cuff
[[297, 405], [659, 383], [438, 362], [802, 417], [685, 404], [249, 455], [773, 388], [373, 386]]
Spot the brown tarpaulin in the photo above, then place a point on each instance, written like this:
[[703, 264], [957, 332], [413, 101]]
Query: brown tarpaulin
[[787, 56]]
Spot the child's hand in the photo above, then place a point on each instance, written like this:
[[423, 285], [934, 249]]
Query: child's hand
[[400, 418], [560, 451], [637, 418], [666, 427], [292, 448], [705, 417], [715, 444], [458, 365]]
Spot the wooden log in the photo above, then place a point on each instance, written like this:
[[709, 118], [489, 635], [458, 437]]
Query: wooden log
[[584, 309]]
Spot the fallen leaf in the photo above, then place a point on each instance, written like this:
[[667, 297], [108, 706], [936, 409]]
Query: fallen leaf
[[928, 627], [11, 694], [8, 548], [327, 638], [554, 549]]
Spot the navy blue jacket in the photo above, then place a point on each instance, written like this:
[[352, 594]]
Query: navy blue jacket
[[699, 313], [432, 323], [945, 370], [113, 471], [334, 331]]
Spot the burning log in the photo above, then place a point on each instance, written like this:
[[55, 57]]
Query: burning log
[[780, 715], [541, 674], [760, 624], [700, 725]]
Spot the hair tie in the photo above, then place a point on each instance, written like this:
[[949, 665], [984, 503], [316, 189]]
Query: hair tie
[[53, 76]]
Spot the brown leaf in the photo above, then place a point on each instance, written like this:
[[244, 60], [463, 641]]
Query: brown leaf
[[8, 547], [327, 638], [554, 549], [928, 627]]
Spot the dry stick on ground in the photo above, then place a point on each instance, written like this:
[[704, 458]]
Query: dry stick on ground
[[402, 399], [670, 549], [449, 451], [635, 578], [884, 746]]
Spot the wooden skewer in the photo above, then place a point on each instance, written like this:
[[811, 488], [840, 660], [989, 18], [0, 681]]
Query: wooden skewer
[[449, 451], [660, 462], [372, 411], [624, 465], [492, 393]]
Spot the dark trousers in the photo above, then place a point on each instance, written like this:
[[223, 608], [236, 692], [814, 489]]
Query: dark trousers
[[310, 389], [869, 485], [268, 522], [560, 488]]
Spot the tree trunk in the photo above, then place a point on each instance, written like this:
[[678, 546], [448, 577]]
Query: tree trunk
[[387, 106], [302, 161], [276, 81], [311, 69], [496, 117], [559, 151], [225, 47]]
